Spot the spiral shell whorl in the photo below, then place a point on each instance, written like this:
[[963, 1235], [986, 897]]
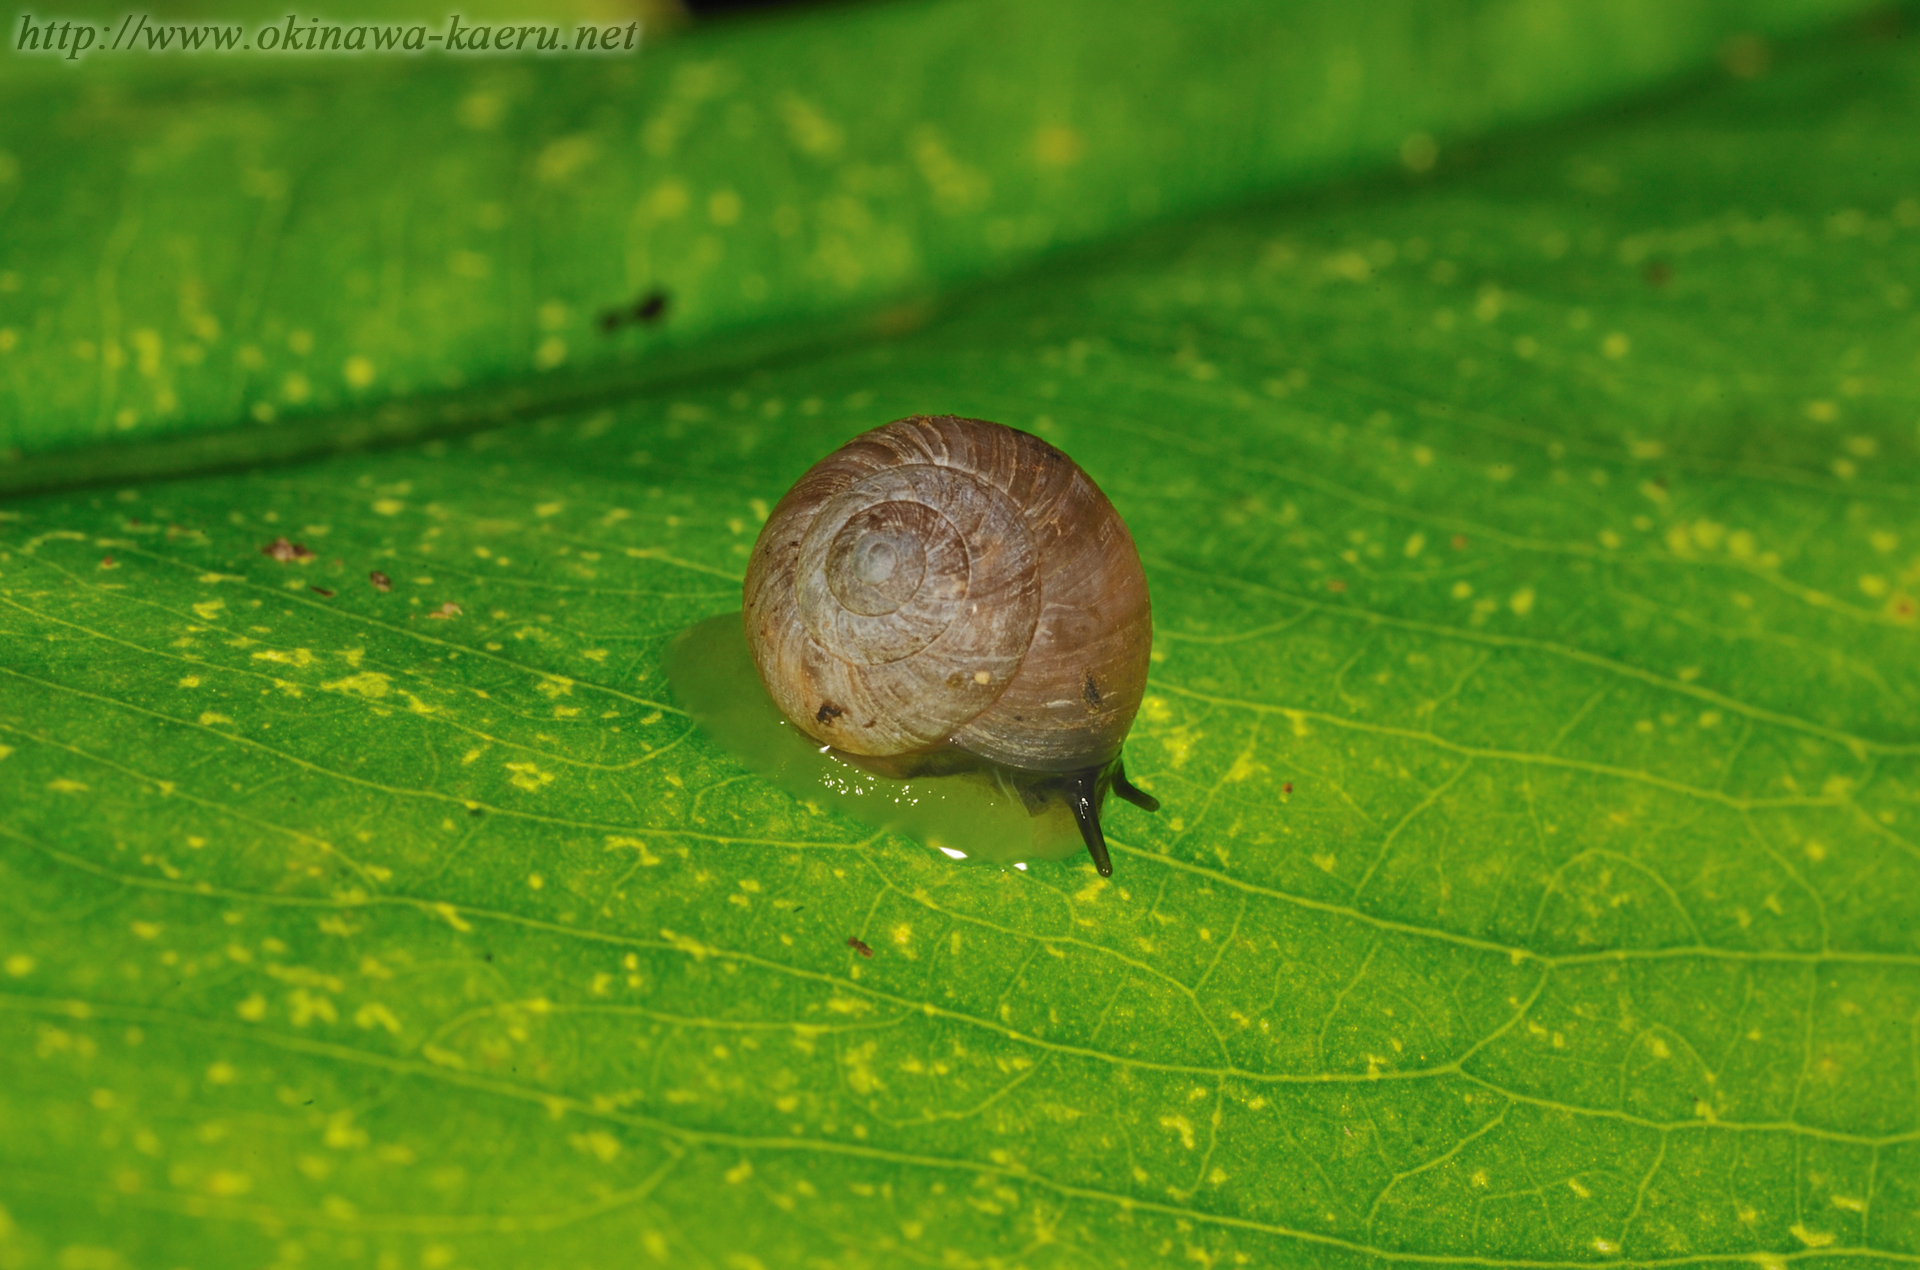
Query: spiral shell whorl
[[950, 581]]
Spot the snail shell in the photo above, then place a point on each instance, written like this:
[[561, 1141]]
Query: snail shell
[[943, 585]]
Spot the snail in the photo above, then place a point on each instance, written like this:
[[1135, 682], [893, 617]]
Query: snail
[[945, 596]]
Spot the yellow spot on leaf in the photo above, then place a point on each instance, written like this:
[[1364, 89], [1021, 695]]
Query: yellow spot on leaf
[[1180, 1125], [1057, 146], [529, 777], [368, 684], [373, 1014], [598, 1143], [65, 786]]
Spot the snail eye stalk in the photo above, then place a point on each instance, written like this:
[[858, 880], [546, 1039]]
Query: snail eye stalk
[[1132, 793]]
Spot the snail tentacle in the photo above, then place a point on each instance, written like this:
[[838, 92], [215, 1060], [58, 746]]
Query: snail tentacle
[[1131, 792], [1083, 797]]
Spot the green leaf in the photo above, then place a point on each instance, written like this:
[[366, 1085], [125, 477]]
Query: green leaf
[[311, 237], [1535, 554]]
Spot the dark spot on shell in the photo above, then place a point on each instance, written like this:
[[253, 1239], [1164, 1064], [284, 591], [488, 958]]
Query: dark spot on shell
[[827, 713], [1091, 692]]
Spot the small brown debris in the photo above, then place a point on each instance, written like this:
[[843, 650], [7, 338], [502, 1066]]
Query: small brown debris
[[322, 592], [1459, 542], [108, 562], [1336, 584], [1287, 788], [381, 582], [445, 611], [854, 942], [282, 550]]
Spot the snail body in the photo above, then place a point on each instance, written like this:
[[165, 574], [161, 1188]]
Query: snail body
[[944, 594]]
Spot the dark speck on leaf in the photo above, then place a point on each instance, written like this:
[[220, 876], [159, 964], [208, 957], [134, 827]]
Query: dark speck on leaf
[[853, 942], [1287, 788], [1657, 273], [381, 582], [1459, 542], [652, 308], [321, 591], [475, 811], [647, 310]]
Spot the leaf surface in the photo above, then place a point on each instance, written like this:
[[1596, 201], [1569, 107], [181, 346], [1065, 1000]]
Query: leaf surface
[[189, 243], [1534, 553]]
